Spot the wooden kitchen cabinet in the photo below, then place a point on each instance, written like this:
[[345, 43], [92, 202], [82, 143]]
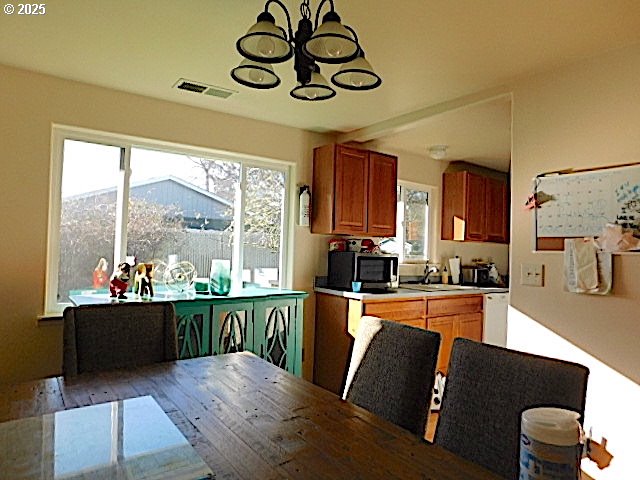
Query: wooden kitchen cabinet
[[337, 320], [497, 208], [450, 327], [353, 192], [452, 317], [410, 311], [474, 208], [381, 201]]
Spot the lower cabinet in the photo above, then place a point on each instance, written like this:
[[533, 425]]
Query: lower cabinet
[[466, 325], [269, 327], [232, 328], [451, 316], [277, 333], [194, 329]]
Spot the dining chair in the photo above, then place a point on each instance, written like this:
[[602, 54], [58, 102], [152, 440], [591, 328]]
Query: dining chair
[[105, 337], [392, 371], [488, 388]]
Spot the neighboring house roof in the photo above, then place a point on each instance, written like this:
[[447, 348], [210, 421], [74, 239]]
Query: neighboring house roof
[[200, 208]]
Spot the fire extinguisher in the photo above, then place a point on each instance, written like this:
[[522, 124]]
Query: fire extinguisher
[[305, 205]]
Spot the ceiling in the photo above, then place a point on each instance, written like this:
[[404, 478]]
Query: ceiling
[[428, 52]]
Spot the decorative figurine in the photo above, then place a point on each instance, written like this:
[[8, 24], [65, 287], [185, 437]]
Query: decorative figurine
[[100, 277], [120, 280], [143, 285]]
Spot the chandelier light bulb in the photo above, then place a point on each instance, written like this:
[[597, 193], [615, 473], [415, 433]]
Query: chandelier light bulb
[[256, 76], [357, 79], [266, 46], [333, 48]]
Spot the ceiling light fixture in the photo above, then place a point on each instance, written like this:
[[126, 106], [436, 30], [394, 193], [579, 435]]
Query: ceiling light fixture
[[438, 152], [332, 42]]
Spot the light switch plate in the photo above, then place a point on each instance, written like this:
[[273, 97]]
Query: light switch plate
[[532, 274]]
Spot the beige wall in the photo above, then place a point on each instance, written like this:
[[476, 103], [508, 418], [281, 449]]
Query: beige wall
[[585, 115], [30, 103]]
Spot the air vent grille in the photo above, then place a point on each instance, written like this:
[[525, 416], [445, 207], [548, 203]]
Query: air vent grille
[[192, 87], [203, 88], [217, 92]]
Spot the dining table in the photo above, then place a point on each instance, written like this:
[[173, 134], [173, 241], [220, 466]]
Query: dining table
[[248, 419]]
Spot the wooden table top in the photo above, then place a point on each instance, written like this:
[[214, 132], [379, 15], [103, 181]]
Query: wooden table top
[[249, 419]]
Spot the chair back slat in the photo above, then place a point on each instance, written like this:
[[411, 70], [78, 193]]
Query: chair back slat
[[105, 337], [392, 372]]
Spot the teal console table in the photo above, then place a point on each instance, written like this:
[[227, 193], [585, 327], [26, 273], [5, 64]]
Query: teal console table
[[265, 321]]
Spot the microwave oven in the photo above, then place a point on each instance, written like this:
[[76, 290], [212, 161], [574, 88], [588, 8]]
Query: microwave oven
[[374, 271]]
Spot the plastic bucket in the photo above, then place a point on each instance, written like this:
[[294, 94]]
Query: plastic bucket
[[550, 446]]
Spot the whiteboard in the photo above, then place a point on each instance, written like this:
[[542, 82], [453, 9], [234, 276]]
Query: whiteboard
[[580, 204]]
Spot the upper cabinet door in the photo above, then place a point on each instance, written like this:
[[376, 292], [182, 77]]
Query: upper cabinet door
[[474, 208], [383, 178], [475, 200], [351, 184], [497, 213], [453, 206]]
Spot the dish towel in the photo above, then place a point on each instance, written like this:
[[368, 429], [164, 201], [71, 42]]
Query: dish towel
[[581, 265]]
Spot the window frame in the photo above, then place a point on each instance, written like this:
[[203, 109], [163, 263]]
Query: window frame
[[431, 222], [60, 133]]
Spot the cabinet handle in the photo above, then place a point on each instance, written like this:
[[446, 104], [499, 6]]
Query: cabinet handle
[[261, 351]]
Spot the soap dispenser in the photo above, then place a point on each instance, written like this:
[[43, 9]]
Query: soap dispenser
[[445, 274]]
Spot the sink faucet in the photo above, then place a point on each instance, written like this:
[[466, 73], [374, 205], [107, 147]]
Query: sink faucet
[[428, 270]]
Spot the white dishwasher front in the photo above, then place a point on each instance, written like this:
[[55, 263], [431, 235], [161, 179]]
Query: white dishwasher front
[[494, 329]]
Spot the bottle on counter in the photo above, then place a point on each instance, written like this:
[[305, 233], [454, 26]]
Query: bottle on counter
[[445, 274]]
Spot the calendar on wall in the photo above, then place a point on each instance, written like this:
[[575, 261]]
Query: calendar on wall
[[580, 204]]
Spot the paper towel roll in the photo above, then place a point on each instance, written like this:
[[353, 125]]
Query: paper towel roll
[[454, 269]]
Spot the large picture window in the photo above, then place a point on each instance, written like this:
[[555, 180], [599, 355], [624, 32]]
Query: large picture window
[[114, 199]]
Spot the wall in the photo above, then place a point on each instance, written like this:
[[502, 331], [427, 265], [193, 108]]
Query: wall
[[584, 115], [30, 103]]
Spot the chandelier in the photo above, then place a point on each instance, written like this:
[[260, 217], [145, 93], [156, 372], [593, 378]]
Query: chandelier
[[332, 42]]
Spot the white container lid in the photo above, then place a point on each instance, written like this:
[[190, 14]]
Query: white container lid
[[553, 426]]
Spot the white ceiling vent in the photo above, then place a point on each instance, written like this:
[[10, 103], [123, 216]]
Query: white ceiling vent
[[203, 88]]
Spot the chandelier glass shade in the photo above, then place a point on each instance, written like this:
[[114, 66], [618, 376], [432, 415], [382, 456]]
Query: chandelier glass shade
[[266, 43], [255, 75], [331, 42], [316, 89], [356, 75]]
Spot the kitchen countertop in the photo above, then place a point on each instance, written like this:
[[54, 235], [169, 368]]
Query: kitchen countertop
[[409, 291]]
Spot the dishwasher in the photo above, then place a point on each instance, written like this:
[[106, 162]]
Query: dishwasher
[[494, 328]]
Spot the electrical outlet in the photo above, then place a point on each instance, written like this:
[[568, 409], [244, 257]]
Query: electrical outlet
[[532, 274]]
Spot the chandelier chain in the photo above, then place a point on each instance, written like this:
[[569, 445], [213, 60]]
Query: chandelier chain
[[305, 9]]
